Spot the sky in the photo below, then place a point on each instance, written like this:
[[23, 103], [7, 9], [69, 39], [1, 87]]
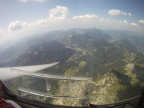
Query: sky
[[19, 18]]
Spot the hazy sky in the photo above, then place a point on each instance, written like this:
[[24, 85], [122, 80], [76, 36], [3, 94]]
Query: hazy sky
[[36, 16]]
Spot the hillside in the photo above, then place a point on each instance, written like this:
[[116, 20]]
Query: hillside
[[115, 64]]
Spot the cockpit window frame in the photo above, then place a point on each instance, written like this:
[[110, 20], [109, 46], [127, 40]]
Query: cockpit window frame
[[135, 102], [31, 102]]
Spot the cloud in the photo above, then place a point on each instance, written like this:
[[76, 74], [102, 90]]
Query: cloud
[[129, 14], [59, 15], [38, 0], [115, 12], [25, 1], [60, 12], [38, 22], [85, 17], [19, 25], [101, 19], [134, 24], [141, 21], [55, 14], [0, 32], [16, 25], [125, 21]]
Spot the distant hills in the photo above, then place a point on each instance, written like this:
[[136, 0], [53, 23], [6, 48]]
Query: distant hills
[[113, 59]]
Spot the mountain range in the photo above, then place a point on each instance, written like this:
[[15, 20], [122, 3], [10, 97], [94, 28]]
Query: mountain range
[[113, 59]]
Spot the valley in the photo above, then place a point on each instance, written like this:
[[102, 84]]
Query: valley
[[114, 60]]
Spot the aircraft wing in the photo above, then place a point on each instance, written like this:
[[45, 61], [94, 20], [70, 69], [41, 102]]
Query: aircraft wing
[[36, 93], [48, 76], [6, 74]]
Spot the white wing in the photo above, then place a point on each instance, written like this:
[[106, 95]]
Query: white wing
[[6, 74], [48, 76]]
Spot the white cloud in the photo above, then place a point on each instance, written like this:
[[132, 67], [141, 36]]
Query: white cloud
[[115, 12], [125, 21], [85, 17], [120, 22], [23, 1], [141, 21], [59, 15], [134, 24], [60, 12], [55, 14], [0, 32], [16, 25], [129, 14], [40, 1], [38, 22], [101, 19]]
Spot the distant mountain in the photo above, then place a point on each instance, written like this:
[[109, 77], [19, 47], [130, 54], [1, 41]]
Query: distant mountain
[[113, 59], [136, 38], [35, 52]]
